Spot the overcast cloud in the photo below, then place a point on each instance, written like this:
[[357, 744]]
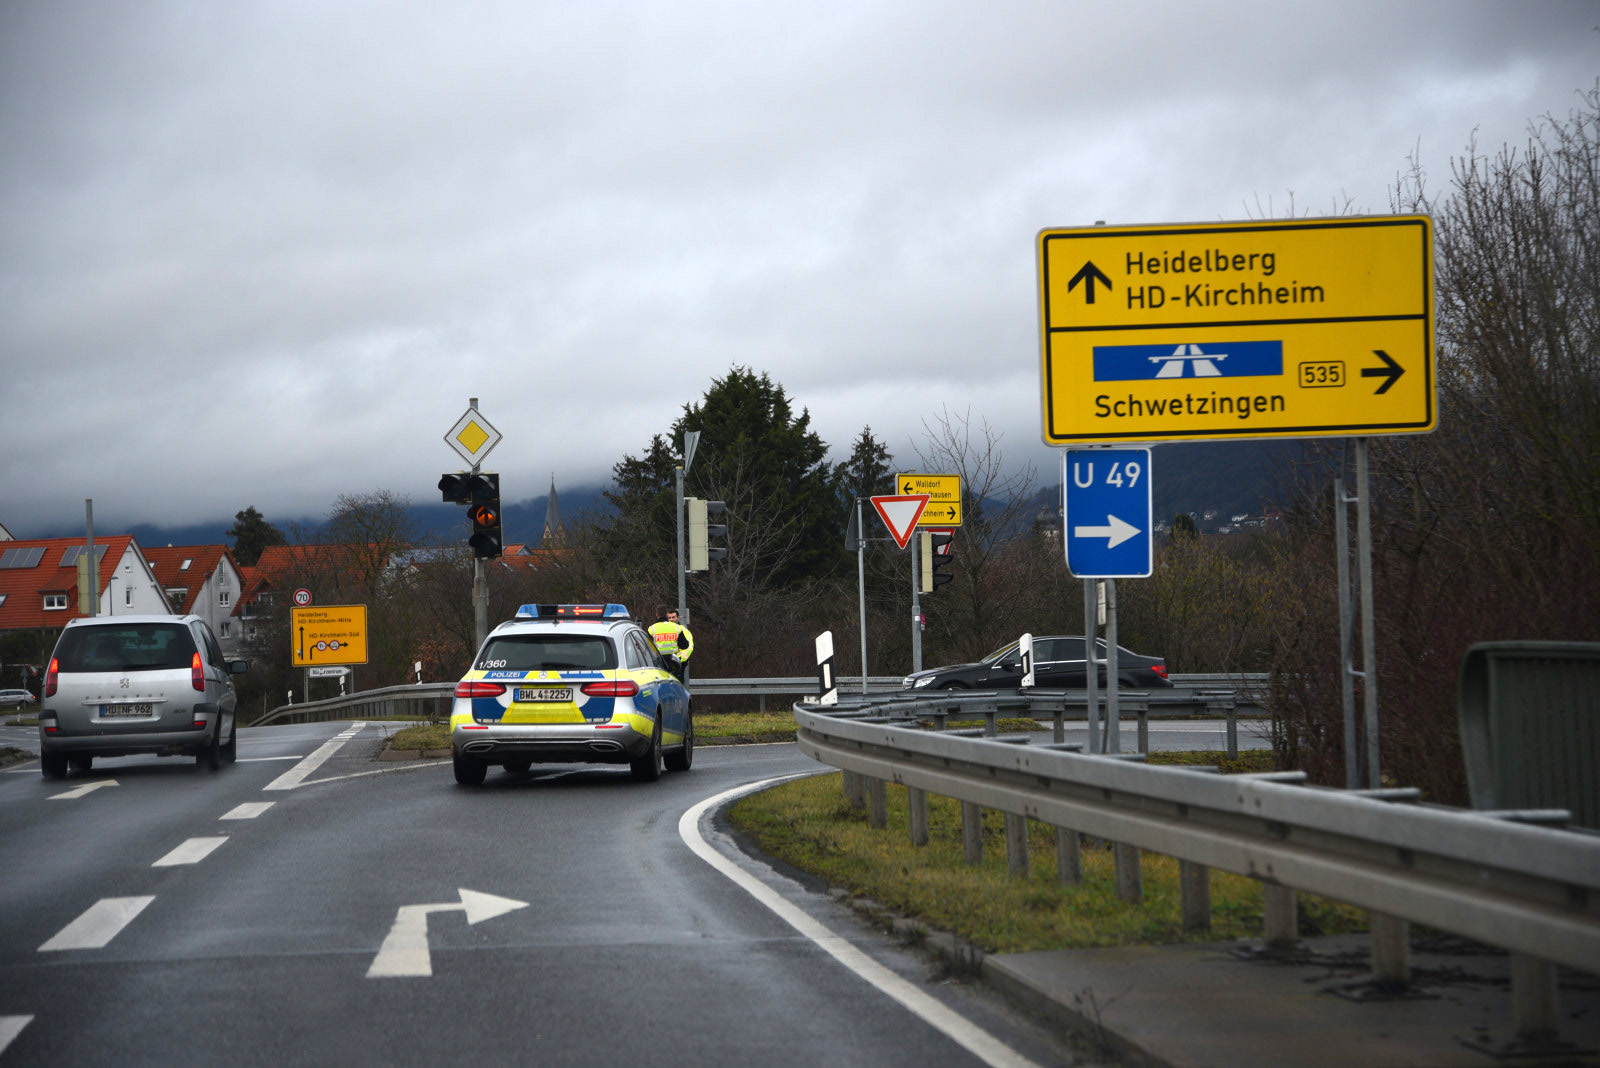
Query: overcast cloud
[[262, 253]]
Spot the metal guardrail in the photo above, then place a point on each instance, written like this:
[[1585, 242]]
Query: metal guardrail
[[430, 699], [1508, 879]]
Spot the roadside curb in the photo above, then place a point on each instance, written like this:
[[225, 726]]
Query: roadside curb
[[390, 753]]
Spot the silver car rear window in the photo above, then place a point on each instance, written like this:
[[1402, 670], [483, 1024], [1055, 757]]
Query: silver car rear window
[[125, 647], [548, 652]]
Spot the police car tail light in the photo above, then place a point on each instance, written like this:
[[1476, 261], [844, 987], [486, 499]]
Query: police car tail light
[[479, 689], [623, 688]]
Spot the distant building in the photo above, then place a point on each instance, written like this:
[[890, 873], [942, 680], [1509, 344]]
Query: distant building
[[204, 580], [39, 581], [555, 532]]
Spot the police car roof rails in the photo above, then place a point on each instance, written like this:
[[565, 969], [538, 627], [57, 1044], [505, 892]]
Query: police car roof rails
[[573, 611]]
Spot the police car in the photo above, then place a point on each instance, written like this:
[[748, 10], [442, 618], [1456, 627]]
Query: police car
[[570, 683]]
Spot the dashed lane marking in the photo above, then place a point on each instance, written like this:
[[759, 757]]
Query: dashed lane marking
[[99, 924], [192, 851]]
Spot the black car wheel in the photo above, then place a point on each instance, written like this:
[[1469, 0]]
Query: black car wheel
[[648, 767], [81, 762], [470, 772], [210, 755], [53, 765], [682, 758], [230, 752], [953, 685]]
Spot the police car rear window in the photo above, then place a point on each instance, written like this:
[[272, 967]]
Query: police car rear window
[[126, 647], [548, 652]]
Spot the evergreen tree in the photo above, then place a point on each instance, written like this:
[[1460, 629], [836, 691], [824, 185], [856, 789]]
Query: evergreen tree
[[869, 471], [251, 533]]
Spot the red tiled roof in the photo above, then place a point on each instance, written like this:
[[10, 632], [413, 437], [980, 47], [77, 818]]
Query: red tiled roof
[[167, 562], [23, 588]]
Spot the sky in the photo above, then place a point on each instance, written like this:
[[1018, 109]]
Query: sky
[[262, 253]]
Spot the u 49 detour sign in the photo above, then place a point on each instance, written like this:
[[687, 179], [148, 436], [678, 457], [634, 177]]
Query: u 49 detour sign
[[1300, 328]]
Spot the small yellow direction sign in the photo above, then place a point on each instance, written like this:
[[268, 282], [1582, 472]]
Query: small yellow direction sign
[[944, 497], [328, 635], [1306, 327]]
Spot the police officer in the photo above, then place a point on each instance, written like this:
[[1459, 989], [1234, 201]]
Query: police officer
[[673, 641]]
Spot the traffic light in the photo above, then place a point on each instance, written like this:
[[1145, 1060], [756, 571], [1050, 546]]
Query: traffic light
[[484, 511], [935, 547], [457, 487], [701, 551]]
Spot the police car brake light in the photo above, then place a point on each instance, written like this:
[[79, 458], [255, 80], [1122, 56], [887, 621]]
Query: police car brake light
[[623, 688], [573, 611], [465, 688]]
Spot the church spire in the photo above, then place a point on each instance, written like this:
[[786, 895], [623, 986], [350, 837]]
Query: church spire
[[555, 532]]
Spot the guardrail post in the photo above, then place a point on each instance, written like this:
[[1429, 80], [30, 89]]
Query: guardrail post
[[1391, 949], [917, 802], [1144, 729], [1130, 876], [1194, 884], [972, 832], [1017, 846], [855, 789], [1535, 998], [877, 803], [1279, 925], [1069, 859]]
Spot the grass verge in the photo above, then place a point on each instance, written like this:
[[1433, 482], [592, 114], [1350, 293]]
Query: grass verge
[[809, 824]]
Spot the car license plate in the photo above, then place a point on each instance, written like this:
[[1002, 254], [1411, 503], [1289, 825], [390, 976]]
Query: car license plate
[[530, 694], [117, 711]]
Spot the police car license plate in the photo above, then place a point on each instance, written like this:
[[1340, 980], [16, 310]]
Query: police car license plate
[[529, 694], [115, 711]]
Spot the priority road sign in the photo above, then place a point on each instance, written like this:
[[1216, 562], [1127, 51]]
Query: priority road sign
[[1305, 327], [473, 437], [900, 513], [1106, 523]]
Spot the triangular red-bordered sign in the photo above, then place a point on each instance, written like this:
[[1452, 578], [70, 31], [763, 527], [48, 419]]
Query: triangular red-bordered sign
[[900, 514]]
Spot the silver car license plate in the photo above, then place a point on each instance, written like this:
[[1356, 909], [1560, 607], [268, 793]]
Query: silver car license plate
[[119, 711], [530, 694]]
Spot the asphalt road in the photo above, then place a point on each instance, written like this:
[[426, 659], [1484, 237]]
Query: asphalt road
[[311, 904]]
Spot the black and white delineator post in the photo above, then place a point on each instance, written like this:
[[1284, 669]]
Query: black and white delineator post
[[1025, 647], [827, 681]]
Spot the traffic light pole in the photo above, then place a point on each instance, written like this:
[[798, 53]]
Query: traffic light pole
[[480, 597]]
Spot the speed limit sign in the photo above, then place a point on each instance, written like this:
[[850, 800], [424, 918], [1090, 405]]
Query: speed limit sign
[[302, 597]]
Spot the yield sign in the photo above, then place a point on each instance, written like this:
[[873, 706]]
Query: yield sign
[[900, 514]]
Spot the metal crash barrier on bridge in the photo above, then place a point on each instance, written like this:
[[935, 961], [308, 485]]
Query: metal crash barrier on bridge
[[1520, 881]]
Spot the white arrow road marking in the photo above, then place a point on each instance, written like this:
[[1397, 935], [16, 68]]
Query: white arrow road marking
[[98, 925], [964, 1032], [247, 811], [1116, 530], [192, 851], [405, 951], [82, 791], [10, 1028], [297, 774]]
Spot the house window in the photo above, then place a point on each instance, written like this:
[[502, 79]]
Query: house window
[[127, 595], [227, 629], [223, 598], [3, 597], [185, 565], [55, 602]]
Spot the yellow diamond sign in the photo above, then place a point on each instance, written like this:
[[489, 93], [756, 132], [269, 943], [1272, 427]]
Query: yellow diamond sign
[[472, 437]]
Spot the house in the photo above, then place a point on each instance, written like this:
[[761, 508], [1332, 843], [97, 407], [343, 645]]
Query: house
[[39, 581], [204, 580]]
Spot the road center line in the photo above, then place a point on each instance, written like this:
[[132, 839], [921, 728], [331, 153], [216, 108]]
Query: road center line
[[10, 1028], [954, 1026], [192, 851], [99, 924], [247, 811], [296, 775]]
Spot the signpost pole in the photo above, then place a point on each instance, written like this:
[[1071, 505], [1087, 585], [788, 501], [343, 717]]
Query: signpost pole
[[916, 610], [1369, 644], [861, 584], [1090, 675], [1347, 668], [1113, 706]]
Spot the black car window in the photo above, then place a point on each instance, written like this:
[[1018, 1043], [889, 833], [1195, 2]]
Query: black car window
[[125, 647], [548, 652], [640, 653]]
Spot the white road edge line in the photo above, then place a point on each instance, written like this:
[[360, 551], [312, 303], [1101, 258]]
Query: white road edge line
[[10, 1028], [296, 775], [190, 851], [962, 1031], [99, 924]]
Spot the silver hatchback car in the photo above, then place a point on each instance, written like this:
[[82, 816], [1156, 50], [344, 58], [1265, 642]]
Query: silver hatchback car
[[118, 685]]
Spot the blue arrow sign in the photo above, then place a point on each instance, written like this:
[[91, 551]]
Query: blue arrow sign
[[1106, 515]]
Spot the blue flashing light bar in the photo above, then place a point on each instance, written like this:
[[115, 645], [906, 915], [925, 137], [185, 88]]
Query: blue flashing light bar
[[573, 611]]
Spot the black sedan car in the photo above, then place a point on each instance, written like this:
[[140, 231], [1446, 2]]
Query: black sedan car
[[1058, 665]]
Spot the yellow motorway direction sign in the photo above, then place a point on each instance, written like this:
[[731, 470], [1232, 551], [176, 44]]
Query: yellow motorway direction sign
[[944, 497], [1299, 328], [329, 634]]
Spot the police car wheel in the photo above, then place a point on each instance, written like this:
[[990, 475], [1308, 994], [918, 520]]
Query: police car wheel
[[681, 759], [648, 767], [469, 772]]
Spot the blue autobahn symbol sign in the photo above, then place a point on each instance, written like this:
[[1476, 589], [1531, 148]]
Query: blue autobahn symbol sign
[[1106, 514]]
